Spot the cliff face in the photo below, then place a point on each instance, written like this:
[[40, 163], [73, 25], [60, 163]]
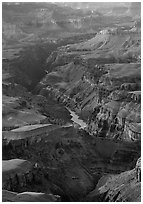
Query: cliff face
[[117, 188], [124, 187], [20, 175]]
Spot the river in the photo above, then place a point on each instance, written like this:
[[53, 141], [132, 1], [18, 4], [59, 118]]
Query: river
[[75, 118]]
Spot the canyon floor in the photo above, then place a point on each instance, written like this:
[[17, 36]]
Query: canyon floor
[[71, 103]]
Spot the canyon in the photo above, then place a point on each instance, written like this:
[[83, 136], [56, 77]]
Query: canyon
[[71, 115]]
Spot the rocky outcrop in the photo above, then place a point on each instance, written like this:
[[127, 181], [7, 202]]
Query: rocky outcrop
[[117, 188], [19, 174], [27, 178]]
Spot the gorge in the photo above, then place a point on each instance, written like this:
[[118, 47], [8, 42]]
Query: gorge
[[71, 116]]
